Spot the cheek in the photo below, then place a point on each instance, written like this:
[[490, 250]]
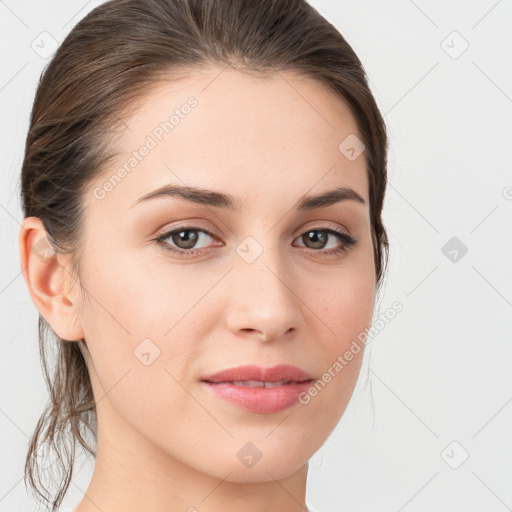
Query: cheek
[[138, 331], [139, 296], [346, 308], [142, 320]]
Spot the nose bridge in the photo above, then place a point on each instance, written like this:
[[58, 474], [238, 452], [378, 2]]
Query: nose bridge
[[262, 297]]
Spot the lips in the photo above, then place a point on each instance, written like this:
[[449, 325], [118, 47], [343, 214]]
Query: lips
[[257, 389], [257, 376]]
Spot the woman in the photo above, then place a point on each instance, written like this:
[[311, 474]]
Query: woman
[[202, 188]]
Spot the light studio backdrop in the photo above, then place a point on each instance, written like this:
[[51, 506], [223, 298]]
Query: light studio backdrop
[[428, 427]]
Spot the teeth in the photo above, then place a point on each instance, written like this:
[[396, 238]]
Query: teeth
[[276, 384], [259, 383], [249, 383]]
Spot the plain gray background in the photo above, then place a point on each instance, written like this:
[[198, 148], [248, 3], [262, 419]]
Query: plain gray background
[[439, 380]]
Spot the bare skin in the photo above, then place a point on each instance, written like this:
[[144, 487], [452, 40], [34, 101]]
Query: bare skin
[[164, 442]]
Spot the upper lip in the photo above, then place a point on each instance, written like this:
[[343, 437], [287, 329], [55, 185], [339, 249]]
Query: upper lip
[[251, 372]]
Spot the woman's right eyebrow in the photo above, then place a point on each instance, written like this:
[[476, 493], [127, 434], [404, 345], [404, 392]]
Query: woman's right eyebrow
[[222, 200]]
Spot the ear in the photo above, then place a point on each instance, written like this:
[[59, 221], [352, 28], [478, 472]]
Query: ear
[[48, 280]]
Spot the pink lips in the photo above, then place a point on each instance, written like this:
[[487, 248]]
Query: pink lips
[[245, 386]]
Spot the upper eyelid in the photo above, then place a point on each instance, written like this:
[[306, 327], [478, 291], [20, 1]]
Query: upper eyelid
[[212, 232]]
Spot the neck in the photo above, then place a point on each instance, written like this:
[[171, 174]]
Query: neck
[[132, 474]]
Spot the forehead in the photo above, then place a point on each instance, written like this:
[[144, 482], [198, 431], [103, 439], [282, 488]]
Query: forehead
[[228, 130]]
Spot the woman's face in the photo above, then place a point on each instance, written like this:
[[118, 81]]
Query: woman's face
[[259, 283]]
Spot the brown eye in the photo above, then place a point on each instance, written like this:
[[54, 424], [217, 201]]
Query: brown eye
[[316, 239], [183, 240]]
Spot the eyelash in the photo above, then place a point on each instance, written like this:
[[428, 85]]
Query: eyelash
[[347, 241]]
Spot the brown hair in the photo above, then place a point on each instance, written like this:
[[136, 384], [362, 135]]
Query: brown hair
[[107, 63]]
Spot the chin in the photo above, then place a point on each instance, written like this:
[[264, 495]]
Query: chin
[[259, 461]]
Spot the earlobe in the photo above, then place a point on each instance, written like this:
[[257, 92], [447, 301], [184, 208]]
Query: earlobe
[[48, 280]]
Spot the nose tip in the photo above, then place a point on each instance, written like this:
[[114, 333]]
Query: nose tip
[[262, 305]]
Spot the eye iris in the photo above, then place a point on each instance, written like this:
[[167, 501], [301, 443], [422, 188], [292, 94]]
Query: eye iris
[[312, 236], [178, 238]]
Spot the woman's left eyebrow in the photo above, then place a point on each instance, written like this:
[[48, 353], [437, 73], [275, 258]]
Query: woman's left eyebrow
[[222, 200]]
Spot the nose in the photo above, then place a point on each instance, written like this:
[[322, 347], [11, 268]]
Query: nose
[[263, 303]]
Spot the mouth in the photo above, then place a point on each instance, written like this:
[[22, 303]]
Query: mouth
[[257, 389]]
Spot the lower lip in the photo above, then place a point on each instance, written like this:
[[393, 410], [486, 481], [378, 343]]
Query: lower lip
[[260, 400]]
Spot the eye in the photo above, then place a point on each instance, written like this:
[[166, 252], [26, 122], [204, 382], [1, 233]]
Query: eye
[[183, 240], [312, 237]]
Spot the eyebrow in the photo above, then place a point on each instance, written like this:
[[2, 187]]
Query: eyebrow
[[222, 200]]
